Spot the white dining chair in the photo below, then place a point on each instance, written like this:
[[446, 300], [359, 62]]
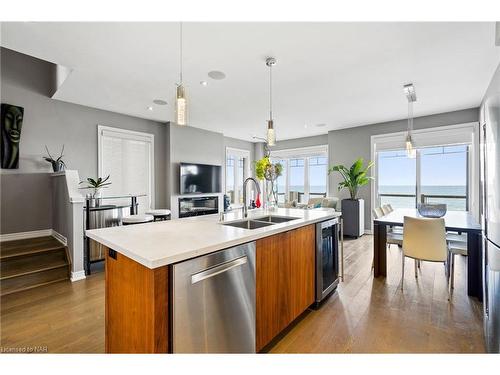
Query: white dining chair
[[424, 239], [455, 248], [377, 212]]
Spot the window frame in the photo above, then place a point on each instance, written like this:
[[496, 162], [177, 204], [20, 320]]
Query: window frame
[[132, 135], [304, 153], [466, 133], [237, 153]]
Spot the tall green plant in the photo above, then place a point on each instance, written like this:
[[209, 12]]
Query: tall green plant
[[354, 177]]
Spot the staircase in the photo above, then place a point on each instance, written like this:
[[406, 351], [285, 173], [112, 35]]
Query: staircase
[[33, 262]]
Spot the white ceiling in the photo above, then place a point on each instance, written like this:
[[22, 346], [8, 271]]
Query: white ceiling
[[338, 74]]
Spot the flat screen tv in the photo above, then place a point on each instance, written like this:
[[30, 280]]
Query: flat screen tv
[[200, 178]]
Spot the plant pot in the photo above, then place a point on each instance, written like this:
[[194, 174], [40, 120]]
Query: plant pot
[[97, 197], [353, 214], [57, 166]]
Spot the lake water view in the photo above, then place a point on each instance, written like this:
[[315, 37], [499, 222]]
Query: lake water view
[[454, 204]]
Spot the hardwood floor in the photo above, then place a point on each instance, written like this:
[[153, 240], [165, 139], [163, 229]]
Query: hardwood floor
[[370, 315], [366, 315]]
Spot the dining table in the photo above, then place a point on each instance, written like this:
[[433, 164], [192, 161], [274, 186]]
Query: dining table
[[455, 221]]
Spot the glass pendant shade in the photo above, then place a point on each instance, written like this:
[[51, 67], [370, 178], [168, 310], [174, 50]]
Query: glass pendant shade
[[181, 106], [411, 152], [271, 135]]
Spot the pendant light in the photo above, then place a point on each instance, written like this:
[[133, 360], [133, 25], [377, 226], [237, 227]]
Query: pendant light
[[271, 135], [180, 92], [409, 91]]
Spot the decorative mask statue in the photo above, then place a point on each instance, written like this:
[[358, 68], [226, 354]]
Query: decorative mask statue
[[11, 122]]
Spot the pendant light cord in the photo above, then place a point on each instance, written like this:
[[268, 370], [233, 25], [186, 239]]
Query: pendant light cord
[[410, 116], [270, 92], [180, 52]]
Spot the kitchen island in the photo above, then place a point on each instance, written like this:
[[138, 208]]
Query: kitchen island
[[146, 312]]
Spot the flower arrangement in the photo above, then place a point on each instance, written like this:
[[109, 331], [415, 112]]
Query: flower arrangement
[[269, 171]]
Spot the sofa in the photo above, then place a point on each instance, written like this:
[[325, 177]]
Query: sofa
[[323, 202]]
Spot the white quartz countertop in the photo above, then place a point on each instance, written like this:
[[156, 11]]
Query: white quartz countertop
[[165, 242]]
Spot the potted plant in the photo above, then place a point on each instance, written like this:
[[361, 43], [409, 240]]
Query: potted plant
[[266, 170], [96, 186], [57, 164], [353, 208]]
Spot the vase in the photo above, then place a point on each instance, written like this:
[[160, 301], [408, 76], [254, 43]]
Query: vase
[[271, 195], [97, 197]]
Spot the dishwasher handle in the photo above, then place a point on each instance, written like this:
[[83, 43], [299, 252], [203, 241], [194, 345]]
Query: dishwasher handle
[[217, 270]]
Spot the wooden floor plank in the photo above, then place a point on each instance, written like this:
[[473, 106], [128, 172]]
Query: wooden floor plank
[[366, 315]]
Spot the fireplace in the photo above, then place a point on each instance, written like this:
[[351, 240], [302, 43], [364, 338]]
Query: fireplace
[[197, 206]]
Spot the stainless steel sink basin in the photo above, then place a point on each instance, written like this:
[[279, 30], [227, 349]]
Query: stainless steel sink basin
[[275, 219], [248, 224]]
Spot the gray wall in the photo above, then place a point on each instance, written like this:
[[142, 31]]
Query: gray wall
[[26, 202], [346, 145], [192, 145], [317, 140], [28, 82]]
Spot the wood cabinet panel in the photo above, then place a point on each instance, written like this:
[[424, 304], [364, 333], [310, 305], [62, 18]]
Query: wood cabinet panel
[[284, 280], [269, 283], [136, 307], [302, 269]]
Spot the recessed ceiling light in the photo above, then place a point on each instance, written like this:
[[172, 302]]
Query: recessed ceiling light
[[150, 108], [320, 125], [204, 83], [215, 74], [160, 102]]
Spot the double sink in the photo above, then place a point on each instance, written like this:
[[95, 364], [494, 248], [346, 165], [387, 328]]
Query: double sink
[[260, 222]]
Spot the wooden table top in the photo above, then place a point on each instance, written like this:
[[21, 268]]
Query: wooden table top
[[462, 221]]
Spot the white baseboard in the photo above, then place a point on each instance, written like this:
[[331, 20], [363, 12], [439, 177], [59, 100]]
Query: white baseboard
[[58, 236], [76, 276], [24, 235], [34, 234]]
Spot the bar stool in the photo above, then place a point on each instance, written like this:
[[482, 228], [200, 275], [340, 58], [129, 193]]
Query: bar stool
[[137, 219], [159, 214]]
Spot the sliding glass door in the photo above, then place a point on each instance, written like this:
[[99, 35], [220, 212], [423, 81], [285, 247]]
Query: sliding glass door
[[438, 174]]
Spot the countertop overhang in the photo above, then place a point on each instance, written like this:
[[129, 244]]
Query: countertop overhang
[[161, 243]]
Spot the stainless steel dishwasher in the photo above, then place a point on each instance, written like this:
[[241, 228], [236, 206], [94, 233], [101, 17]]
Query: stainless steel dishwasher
[[214, 302]]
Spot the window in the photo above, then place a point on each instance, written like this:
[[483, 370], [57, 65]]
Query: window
[[397, 175], [318, 169], [128, 158], [443, 176], [305, 173], [446, 163], [297, 178], [237, 170], [281, 180]]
